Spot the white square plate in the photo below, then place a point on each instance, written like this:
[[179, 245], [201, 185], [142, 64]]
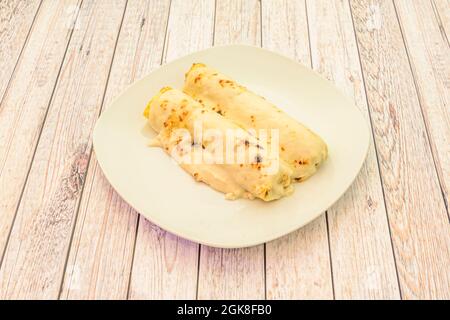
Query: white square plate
[[163, 193]]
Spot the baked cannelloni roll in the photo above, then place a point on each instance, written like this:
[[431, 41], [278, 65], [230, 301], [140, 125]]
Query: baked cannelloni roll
[[194, 136], [300, 148]]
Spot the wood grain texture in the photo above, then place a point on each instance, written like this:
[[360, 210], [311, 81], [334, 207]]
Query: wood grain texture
[[165, 266], [35, 258], [417, 214], [442, 12], [238, 273], [360, 244], [231, 273], [101, 254], [238, 22], [79, 240], [16, 19], [24, 106], [297, 265], [429, 54]]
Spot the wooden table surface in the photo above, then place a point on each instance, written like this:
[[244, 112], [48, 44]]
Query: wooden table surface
[[64, 233]]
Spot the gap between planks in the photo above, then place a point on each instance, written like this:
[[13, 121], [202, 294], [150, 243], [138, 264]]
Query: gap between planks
[[22, 43], [26, 283], [3, 247]]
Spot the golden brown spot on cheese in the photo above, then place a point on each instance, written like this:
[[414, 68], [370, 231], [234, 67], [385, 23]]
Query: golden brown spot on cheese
[[198, 78], [257, 166], [163, 105], [193, 67], [224, 82]]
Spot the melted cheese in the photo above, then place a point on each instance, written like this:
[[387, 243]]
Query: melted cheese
[[171, 109], [302, 149]]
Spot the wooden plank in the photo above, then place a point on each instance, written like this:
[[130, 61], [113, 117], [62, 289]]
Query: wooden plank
[[231, 273], [429, 55], [25, 104], [416, 209], [16, 20], [238, 21], [442, 12], [35, 258], [165, 266], [297, 265], [101, 253], [239, 273], [360, 244]]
